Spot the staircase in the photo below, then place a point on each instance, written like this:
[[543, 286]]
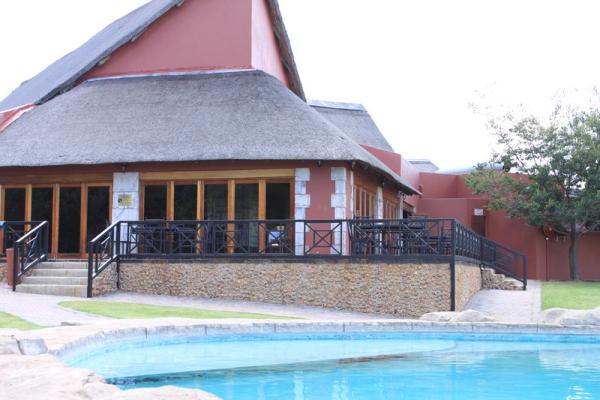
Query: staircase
[[60, 278], [496, 281]]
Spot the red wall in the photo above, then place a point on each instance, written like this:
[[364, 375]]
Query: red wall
[[449, 196], [202, 35], [320, 189], [399, 165], [266, 55], [588, 258]]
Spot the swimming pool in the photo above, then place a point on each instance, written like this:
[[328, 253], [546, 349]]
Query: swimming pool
[[358, 366]]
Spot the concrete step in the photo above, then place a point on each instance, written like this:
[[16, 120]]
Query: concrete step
[[55, 280], [73, 273], [63, 265], [54, 290]]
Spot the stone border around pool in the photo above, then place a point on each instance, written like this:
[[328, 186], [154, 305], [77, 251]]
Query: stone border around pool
[[61, 341], [73, 339]]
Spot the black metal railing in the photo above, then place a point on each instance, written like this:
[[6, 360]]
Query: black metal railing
[[29, 250], [11, 231], [490, 254], [405, 239]]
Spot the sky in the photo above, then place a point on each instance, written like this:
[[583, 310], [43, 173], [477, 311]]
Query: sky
[[430, 72]]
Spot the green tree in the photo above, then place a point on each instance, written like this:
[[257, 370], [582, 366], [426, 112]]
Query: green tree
[[547, 174]]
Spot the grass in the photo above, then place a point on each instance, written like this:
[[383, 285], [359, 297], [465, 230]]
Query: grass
[[9, 321], [147, 311], [572, 295]]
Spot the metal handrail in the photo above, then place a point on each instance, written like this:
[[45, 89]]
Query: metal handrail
[[30, 250], [432, 239]]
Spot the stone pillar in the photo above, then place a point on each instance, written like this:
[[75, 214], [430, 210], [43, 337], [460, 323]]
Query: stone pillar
[[379, 202], [301, 203], [339, 204], [126, 197]]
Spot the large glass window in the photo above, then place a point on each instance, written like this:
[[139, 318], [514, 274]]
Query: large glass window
[[98, 211], [278, 201], [215, 202], [390, 208], [185, 203], [155, 202], [365, 203], [14, 204]]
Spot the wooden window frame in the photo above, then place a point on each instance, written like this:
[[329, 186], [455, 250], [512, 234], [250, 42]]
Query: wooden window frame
[[56, 186], [231, 186]]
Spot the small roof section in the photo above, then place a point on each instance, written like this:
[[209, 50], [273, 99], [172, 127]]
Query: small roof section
[[246, 115], [424, 165], [354, 121], [63, 74]]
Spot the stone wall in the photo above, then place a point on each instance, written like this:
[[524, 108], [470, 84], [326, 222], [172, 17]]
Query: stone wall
[[408, 290], [2, 271], [106, 282], [468, 282], [494, 281]]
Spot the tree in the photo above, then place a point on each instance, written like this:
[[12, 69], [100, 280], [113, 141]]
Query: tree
[[547, 174]]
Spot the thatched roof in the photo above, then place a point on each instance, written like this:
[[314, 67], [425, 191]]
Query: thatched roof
[[62, 75], [354, 121], [179, 117]]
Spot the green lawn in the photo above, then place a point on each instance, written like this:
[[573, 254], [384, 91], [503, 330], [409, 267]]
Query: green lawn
[[573, 295], [146, 311], [8, 321]]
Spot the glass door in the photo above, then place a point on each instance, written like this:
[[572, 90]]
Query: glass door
[[246, 208], [69, 220], [14, 211], [41, 207], [98, 210], [215, 209]]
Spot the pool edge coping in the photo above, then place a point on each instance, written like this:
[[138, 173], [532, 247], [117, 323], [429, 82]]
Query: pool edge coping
[[62, 340]]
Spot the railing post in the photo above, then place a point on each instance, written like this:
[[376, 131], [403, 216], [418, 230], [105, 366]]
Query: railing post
[[118, 255], [91, 254], [15, 267], [524, 272], [453, 267], [46, 240]]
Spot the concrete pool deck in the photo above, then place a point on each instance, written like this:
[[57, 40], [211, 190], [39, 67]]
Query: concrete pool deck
[[511, 306]]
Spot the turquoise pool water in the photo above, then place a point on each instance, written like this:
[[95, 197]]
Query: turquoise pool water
[[358, 366]]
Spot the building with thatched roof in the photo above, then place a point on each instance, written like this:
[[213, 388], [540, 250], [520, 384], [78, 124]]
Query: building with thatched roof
[[186, 110], [182, 130]]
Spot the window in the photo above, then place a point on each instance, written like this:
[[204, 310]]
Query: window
[[14, 204], [365, 203], [155, 202], [390, 208]]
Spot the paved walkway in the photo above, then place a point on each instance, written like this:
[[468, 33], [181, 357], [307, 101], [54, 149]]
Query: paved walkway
[[505, 306], [510, 306], [44, 310]]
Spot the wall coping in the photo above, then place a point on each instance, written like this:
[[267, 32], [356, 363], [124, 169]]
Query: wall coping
[[293, 260]]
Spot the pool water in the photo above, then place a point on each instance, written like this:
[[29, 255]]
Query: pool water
[[358, 366]]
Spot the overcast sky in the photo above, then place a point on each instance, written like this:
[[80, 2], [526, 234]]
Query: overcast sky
[[416, 65]]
